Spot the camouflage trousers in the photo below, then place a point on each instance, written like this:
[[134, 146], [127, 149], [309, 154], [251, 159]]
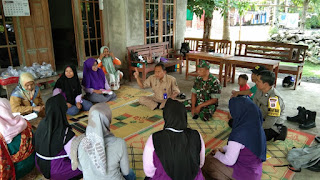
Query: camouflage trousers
[[205, 113]]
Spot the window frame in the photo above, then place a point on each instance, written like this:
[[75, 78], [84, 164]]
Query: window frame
[[88, 39], [160, 20], [16, 35]]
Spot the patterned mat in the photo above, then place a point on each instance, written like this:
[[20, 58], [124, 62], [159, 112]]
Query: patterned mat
[[126, 120], [127, 94], [136, 123], [215, 134]]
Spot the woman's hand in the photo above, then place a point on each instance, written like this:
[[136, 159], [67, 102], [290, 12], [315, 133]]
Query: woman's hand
[[111, 54], [69, 105], [214, 151], [37, 108], [102, 55], [234, 93], [97, 91], [79, 105]]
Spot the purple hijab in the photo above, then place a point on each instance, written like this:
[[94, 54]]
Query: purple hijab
[[92, 79]]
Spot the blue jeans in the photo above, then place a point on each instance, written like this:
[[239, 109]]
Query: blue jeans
[[130, 176], [73, 110]]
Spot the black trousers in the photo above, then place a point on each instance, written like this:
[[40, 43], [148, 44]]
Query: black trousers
[[270, 134]]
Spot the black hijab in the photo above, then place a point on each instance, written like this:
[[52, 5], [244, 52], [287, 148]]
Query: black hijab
[[70, 86], [51, 132], [247, 126], [179, 152]]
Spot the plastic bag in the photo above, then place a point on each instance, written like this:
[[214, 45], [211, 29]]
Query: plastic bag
[[10, 72]]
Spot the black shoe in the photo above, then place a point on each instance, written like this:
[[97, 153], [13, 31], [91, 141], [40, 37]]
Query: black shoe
[[310, 120], [315, 167], [283, 134], [182, 96], [300, 118], [195, 117]]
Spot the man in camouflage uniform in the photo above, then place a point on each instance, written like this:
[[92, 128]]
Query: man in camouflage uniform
[[205, 93]]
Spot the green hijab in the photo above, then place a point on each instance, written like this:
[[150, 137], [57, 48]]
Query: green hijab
[[108, 63]]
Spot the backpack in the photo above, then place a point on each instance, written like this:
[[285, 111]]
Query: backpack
[[184, 48], [304, 157]]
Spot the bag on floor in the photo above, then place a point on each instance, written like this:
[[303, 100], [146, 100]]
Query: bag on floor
[[304, 157]]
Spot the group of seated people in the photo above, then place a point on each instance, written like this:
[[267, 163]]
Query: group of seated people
[[176, 152]]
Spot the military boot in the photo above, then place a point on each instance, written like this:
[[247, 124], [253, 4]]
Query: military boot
[[300, 118], [310, 120]]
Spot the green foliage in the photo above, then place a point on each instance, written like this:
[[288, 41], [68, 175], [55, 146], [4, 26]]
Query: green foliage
[[199, 6], [313, 22], [273, 31], [243, 6]]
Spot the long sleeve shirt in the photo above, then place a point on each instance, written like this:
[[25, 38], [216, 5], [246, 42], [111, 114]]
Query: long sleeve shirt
[[90, 90], [148, 166], [59, 91], [167, 84], [232, 151]]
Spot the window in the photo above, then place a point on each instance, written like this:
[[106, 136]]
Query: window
[[8, 44], [92, 27], [159, 21]]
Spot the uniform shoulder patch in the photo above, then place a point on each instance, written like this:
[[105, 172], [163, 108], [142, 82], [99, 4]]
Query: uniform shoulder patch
[[274, 108]]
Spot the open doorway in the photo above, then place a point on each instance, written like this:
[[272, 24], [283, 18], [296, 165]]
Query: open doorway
[[63, 36]]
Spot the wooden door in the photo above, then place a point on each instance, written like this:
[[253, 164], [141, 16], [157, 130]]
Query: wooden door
[[36, 34]]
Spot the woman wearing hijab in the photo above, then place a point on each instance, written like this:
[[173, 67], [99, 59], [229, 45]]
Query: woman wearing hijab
[[176, 152], [69, 86], [16, 149], [246, 150], [95, 83], [26, 97], [53, 140], [107, 62], [101, 155]]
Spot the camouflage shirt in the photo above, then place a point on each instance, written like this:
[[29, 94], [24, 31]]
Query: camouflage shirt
[[206, 90]]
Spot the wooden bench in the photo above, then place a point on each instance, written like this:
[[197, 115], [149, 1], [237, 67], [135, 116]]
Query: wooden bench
[[160, 49], [276, 51], [214, 45]]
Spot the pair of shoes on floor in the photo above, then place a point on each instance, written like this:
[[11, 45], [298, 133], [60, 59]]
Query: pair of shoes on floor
[[305, 118]]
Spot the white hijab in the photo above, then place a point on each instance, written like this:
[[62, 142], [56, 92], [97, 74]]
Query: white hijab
[[94, 142]]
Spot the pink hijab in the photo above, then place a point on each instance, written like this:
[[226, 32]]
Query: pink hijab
[[10, 126]]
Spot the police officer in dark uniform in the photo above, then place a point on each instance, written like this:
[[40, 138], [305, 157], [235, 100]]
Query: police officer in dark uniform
[[269, 100]]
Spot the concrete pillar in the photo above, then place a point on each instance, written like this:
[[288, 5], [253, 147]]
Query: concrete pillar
[[181, 16]]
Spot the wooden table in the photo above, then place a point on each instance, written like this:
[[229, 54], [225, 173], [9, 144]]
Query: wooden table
[[216, 58], [250, 62]]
